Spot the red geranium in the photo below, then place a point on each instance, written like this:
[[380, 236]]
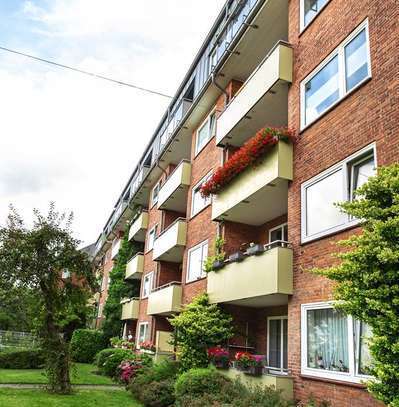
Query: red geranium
[[148, 345], [244, 157]]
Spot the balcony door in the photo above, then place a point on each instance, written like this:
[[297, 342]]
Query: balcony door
[[277, 348]]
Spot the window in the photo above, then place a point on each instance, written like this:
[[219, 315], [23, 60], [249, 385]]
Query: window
[[279, 233], [277, 348], [65, 274], [328, 349], [152, 235], [310, 9], [147, 286], [205, 132], [197, 201], [155, 193], [196, 259], [142, 335], [320, 216], [345, 69]]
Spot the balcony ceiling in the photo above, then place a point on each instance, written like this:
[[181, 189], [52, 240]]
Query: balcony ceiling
[[262, 301]]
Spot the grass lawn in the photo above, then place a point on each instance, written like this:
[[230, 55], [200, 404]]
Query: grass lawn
[[84, 375], [83, 398]]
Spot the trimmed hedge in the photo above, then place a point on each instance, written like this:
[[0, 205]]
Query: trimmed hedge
[[85, 344], [22, 359], [108, 360]]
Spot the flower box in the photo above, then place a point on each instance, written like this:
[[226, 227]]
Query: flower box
[[217, 265], [219, 357], [255, 249], [237, 256]]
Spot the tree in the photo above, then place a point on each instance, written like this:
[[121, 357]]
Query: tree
[[33, 258], [119, 288], [198, 327], [368, 276]]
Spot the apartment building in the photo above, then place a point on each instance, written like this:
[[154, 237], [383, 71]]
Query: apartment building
[[324, 68]]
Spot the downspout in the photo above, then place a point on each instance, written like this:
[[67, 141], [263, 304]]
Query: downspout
[[226, 95]]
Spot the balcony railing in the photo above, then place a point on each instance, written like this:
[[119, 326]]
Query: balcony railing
[[169, 245], [261, 280], [173, 193], [260, 193], [115, 248], [138, 229], [130, 309], [135, 267], [135, 185], [165, 300], [262, 100]]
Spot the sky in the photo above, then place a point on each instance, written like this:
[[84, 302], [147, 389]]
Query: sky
[[72, 139]]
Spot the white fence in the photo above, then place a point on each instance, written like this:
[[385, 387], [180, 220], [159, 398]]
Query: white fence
[[11, 339]]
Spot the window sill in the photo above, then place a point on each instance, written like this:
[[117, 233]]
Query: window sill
[[334, 381], [334, 105]]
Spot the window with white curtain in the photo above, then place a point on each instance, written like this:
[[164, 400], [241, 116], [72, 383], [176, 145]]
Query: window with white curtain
[[334, 345], [320, 215], [147, 285], [195, 263], [198, 202], [345, 69], [277, 348]]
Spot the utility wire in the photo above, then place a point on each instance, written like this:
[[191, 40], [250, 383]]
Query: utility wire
[[94, 75]]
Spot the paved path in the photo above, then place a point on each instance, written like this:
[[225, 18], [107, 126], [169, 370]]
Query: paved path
[[75, 386]]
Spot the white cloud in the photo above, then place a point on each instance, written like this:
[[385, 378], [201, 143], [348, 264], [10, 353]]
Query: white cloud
[[76, 140]]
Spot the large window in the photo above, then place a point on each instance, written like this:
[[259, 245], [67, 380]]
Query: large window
[[195, 263], [320, 215], [333, 345], [205, 133], [277, 334], [147, 285], [152, 235], [310, 9], [345, 69], [198, 202], [143, 333]]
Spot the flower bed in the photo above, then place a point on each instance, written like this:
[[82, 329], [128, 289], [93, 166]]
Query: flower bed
[[248, 155], [219, 357], [250, 364]]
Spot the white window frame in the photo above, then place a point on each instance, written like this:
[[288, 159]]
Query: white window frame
[[195, 188], [276, 370], [149, 276], [207, 121], [346, 166], [302, 15], [155, 201], [196, 247], [276, 228], [340, 51], [146, 324], [153, 229], [351, 376]]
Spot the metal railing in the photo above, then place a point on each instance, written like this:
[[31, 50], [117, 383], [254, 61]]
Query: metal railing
[[165, 286]]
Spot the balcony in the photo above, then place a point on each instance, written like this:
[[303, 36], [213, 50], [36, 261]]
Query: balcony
[[261, 280], [139, 227], [165, 300], [262, 100], [115, 248], [170, 244], [173, 194], [135, 267], [130, 309], [260, 193]]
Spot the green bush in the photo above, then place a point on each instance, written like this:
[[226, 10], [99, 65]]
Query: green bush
[[108, 360], [154, 386], [22, 359], [85, 344]]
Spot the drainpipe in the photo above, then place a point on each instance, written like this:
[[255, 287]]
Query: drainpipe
[[226, 95]]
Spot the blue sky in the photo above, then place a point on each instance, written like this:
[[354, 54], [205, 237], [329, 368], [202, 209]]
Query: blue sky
[[73, 139]]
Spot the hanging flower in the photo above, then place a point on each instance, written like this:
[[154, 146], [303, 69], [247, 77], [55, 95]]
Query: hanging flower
[[246, 156]]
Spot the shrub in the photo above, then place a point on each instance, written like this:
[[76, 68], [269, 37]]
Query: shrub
[[85, 344], [154, 386], [108, 360], [22, 359]]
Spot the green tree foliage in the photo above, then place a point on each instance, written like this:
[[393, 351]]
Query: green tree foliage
[[85, 344], [33, 258], [119, 288], [368, 276], [199, 326]]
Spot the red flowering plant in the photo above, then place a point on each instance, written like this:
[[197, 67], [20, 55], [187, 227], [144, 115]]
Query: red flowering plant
[[147, 345], [219, 357], [246, 156], [243, 360], [128, 369]]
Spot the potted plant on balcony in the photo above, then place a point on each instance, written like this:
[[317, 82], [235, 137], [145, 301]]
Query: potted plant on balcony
[[216, 262], [219, 357], [255, 248], [236, 257]]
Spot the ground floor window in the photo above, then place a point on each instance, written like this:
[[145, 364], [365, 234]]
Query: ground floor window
[[142, 333], [277, 334], [334, 345]]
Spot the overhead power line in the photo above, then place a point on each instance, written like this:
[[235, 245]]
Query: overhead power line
[[92, 74]]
